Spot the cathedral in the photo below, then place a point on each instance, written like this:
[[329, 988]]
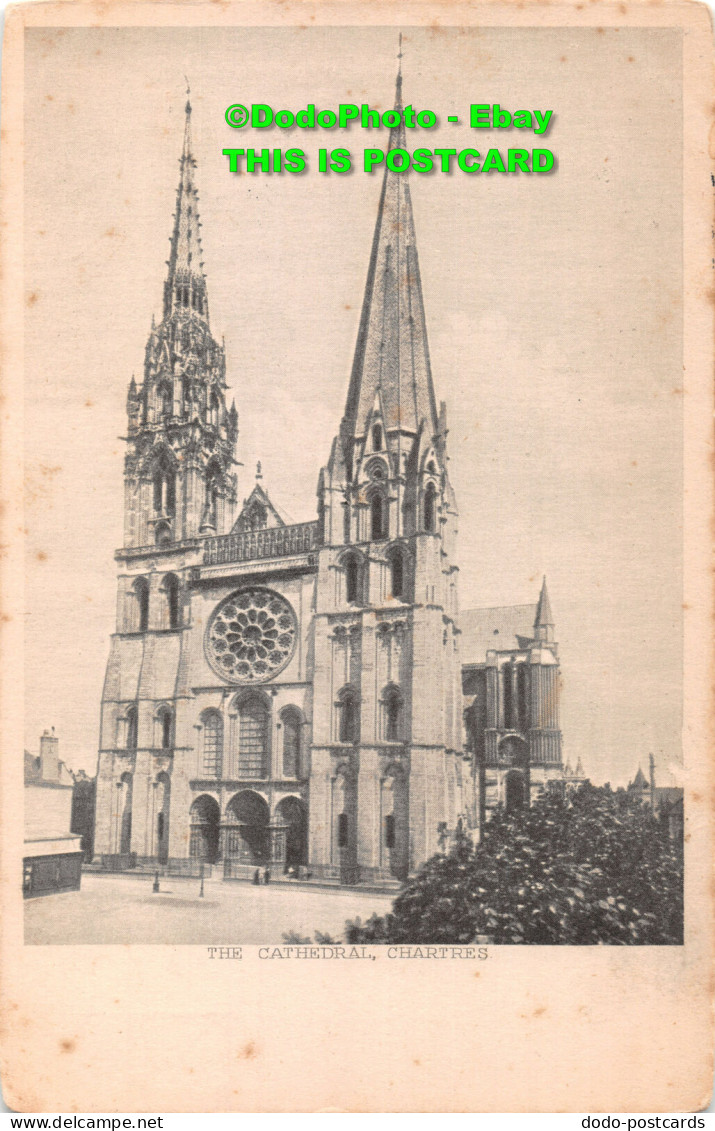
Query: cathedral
[[308, 696]]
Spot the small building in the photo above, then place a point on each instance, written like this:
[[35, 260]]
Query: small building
[[52, 860], [511, 685], [574, 778], [666, 802]]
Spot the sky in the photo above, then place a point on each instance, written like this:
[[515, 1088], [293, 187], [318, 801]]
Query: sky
[[553, 308]]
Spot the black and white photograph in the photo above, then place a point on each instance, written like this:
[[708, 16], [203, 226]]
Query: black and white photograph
[[355, 401]]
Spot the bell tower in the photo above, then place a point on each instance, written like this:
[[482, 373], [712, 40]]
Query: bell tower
[[179, 490], [179, 480], [387, 723]]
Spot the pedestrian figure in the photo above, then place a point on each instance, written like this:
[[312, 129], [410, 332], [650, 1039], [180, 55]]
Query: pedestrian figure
[[267, 876], [256, 877]]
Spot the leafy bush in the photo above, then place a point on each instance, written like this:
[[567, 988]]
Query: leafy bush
[[293, 938], [596, 868]]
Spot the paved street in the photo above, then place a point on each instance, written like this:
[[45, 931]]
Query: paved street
[[123, 909]]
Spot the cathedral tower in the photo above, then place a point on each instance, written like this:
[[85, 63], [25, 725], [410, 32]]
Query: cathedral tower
[[179, 489], [385, 781], [179, 478]]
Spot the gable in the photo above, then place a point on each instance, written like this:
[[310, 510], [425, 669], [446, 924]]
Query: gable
[[257, 513]]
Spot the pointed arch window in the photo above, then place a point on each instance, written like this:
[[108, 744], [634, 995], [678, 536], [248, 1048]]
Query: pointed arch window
[[377, 437], [353, 578], [213, 478], [253, 737], [396, 565], [292, 724], [132, 728], [165, 401], [378, 516], [170, 588], [164, 487], [392, 706], [348, 716], [164, 738], [162, 534], [430, 508], [212, 502], [214, 408], [141, 599], [508, 695], [346, 521], [522, 686], [212, 745]]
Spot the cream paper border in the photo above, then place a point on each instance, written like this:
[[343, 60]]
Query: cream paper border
[[536, 1029]]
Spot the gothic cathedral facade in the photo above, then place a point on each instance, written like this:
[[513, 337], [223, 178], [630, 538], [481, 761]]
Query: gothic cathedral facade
[[306, 696]]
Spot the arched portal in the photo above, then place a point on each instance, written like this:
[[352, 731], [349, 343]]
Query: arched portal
[[292, 812], [205, 818], [247, 830]]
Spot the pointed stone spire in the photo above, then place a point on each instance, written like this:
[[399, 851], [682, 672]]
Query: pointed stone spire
[[639, 782], [544, 621], [392, 354], [185, 286]]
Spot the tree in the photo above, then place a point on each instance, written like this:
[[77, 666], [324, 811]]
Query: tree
[[597, 867]]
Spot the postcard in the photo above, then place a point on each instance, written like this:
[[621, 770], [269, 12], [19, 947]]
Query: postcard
[[357, 510]]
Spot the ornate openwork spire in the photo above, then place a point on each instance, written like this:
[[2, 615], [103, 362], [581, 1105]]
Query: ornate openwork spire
[[392, 355], [185, 286]]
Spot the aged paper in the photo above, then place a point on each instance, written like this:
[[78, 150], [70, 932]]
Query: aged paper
[[356, 526]]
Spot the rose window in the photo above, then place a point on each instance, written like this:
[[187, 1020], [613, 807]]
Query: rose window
[[251, 636]]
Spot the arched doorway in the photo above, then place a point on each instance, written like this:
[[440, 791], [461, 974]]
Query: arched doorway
[[292, 812], [515, 791], [205, 817], [247, 831]]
